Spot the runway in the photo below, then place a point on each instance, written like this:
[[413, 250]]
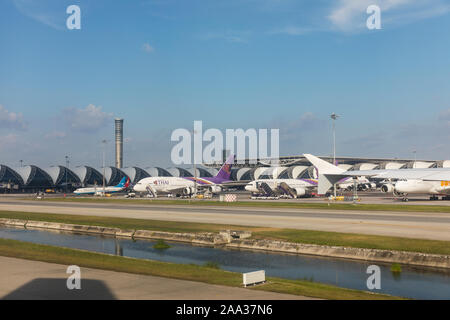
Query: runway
[[424, 225]]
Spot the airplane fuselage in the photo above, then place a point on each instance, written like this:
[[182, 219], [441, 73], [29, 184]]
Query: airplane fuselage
[[94, 190], [422, 187], [181, 185]]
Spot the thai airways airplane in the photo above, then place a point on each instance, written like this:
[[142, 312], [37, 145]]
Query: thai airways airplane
[[432, 181], [186, 185], [124, 183]]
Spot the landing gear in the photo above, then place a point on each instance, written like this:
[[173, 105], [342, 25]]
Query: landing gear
[[403, 195], [151, 192], [433, 198]]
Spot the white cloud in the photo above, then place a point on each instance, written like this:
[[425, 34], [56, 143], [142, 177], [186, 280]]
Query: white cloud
[[88, 119], [11, 120], [229, 36], [148, 48], [48, 12]]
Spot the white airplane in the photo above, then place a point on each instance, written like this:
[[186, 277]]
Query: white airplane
[[362, 183], [186, 185], [123, 184], [432, 181], [294, 188]]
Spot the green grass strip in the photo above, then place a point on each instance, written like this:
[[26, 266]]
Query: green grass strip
[[65, 256], [264, 204]]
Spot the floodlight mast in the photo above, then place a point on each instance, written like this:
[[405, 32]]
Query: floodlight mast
[[104, 148], [334, 117]]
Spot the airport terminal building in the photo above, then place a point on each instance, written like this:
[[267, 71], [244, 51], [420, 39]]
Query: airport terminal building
[[32, 179]]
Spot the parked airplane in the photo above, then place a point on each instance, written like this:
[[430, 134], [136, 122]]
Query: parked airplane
[[433, 181], [294, 188], [123, 184], [186, 185]]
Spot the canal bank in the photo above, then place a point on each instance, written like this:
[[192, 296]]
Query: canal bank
[[241, 240]]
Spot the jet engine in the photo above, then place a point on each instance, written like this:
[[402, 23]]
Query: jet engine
[[388, 188], [188, 191], [300, 192], [215, 189]]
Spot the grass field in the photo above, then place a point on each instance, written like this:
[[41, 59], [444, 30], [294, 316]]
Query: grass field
[[29, 251], [289, 235], [264, 204]]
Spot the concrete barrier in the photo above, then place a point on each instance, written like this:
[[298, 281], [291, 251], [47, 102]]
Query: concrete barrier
[[389, 256], [45, 225], [194, 238], [95, 229], [13, 222], [143, 234], [125, 233]]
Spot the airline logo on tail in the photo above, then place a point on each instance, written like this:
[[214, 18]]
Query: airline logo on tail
[[225, 171], [124, 183]]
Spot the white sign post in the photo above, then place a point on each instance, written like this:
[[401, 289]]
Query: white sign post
[[252, 278]]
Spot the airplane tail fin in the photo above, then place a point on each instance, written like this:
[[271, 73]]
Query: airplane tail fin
[[225, 171], [124, 183], [323, 166], [329, 174]]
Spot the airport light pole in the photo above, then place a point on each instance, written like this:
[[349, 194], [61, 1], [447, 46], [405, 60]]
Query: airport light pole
[[334, 117], [195, 169], [104, 150], [67, 168], [21, 163], [415, 158]]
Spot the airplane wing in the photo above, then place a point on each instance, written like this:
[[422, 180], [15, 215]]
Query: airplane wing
[[432, 174]]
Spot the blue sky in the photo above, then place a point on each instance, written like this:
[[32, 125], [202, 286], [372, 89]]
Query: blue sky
[[161, 64]]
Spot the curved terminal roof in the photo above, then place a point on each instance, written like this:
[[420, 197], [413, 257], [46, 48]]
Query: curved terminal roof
[[345, 167], [8, 175], [113, 176], [392, 165], [157, 172], [258, 172], [213, 171], [179, 172], [238, 173], [271, 172], [365, 166], [293, 172], [420, 165], [33, 176], [201, 172], [135, 174], [60, 175], [443, 164], [88, 176]]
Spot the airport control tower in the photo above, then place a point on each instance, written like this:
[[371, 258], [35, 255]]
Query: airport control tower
[[119, 142]]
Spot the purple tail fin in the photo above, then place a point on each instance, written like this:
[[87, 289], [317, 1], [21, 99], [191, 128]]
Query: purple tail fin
[[225, 171]]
